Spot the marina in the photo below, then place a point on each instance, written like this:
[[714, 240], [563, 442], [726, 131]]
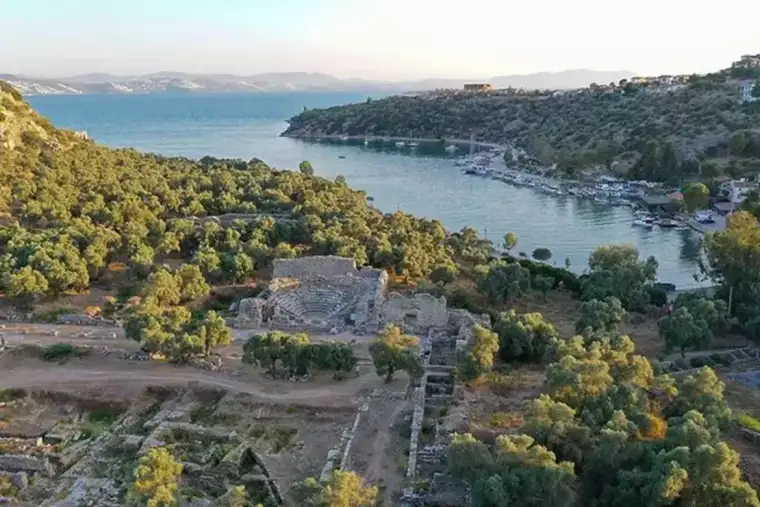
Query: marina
[[604, 190]]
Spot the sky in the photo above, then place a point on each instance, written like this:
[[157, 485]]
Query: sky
[[374, 39]]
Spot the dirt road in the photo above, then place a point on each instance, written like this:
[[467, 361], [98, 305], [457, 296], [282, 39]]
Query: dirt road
[[126, 378]]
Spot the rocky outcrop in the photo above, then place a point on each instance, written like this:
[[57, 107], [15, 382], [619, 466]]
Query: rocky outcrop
[[31, 465]]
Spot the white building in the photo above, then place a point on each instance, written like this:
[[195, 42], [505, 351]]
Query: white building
[[746, 91], [737, 190]]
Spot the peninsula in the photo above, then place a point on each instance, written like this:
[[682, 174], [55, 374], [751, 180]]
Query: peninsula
[[654, 128]]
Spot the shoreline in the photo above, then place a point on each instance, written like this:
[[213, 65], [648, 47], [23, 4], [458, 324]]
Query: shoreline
[[338, 137]]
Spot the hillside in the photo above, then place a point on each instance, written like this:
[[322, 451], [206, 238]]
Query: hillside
[[20, 125], [650, 130], [166, 82], [80, 207]]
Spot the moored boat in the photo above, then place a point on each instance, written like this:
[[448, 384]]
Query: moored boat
[[647, 223]]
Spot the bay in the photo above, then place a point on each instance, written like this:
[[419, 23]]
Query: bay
[[248, 125]]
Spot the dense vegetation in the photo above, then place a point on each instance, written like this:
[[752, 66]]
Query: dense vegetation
[[608, 431], [73, 212], [697, 130], [298, 355]]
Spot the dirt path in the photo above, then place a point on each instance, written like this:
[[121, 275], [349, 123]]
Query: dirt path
[[383, 468], [380, 445], [129, 378]]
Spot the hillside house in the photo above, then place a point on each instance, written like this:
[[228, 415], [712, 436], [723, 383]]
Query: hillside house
[[478, 87], [736, 190], [747, 62]]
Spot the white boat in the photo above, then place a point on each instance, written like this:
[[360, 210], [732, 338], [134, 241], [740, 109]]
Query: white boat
[[450, 148], [400, 144], [644, 222], [413, 145], [366, 141], [344, 138]]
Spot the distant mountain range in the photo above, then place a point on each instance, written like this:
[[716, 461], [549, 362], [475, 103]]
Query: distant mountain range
[[163, 82]]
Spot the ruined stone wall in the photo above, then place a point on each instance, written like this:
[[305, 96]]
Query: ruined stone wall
[[250, 313], [322, 265], [461, 323], [428, 311]]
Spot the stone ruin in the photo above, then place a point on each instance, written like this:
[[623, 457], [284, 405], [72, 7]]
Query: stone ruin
[[321, 292], [329, 293], [421, 311]]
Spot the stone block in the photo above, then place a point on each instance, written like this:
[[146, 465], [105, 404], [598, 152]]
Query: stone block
[[133, 442], [148, 444], [190, 468], [20, 481], [12, 463]]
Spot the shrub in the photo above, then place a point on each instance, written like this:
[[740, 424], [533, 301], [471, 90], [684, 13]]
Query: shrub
[[7, 395], [698, 362], [52, 315], [542, 254], [505, 420], [565, 277], [60, 352], [657, 296], [748, 422]]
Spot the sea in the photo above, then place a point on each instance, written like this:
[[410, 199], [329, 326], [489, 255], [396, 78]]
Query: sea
[[424, 182]]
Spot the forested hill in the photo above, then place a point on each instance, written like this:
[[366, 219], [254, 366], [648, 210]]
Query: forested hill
[[69, 208], [646, 130]]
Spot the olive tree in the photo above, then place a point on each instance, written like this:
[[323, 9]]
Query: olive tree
[[393, 351]]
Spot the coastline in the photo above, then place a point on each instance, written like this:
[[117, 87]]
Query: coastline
[[501, 165], [338, 137]]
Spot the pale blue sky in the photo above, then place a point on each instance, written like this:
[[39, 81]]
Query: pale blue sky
[[377, 39]]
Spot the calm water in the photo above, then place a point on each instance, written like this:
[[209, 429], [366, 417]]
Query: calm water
[[248, 126]]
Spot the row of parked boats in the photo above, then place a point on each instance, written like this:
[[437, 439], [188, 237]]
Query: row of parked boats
[[647, 220], [613, 194], [610, 192], [399, 144]]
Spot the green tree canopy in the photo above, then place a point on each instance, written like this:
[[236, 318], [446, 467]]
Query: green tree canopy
[[510, 240], [600, 315], [696, 196], [516, 472], [683, 331], [503, 281], [524, 337], [394, 351], [481, 352], [616, 271], [344, 489], [156, 479]]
